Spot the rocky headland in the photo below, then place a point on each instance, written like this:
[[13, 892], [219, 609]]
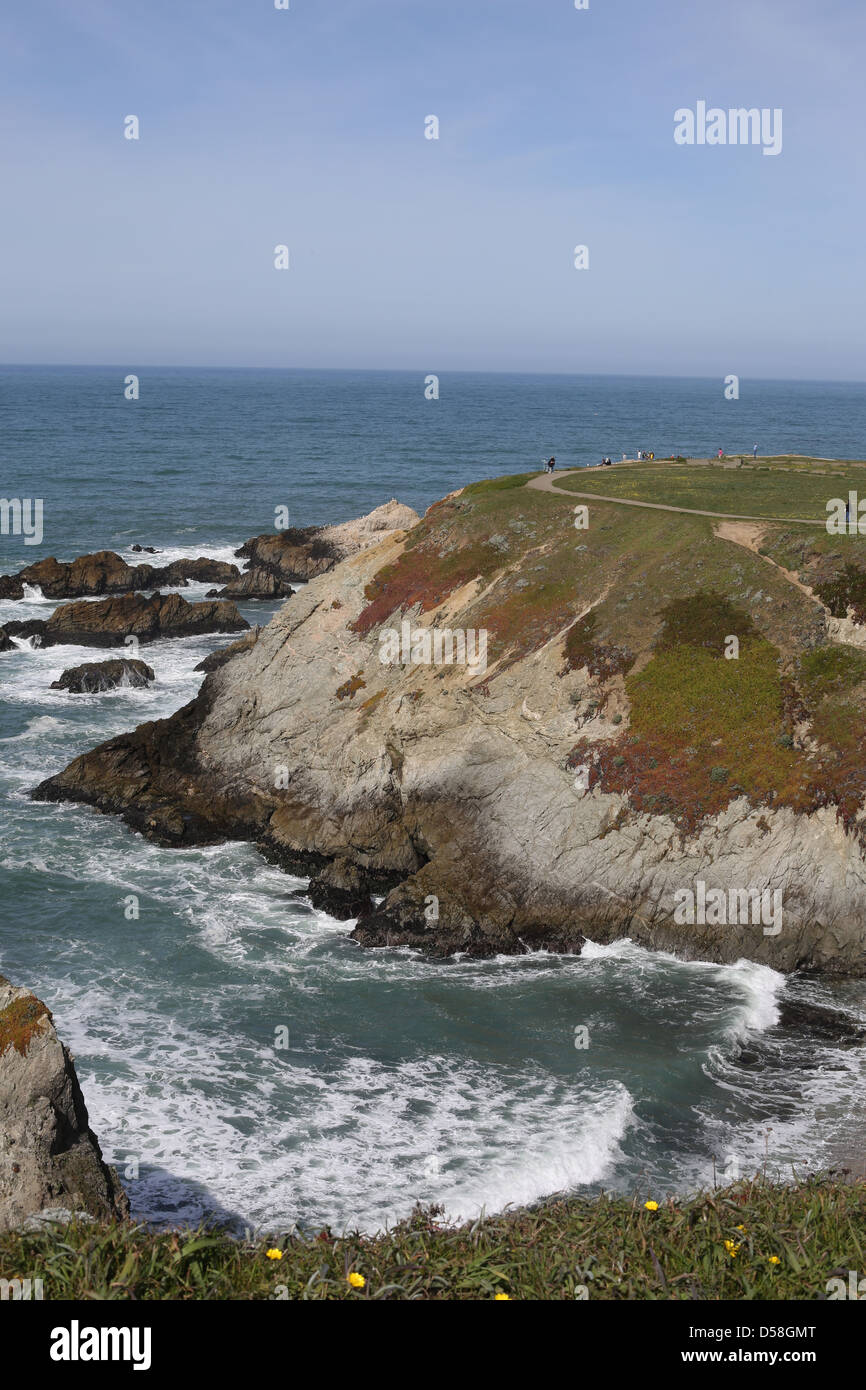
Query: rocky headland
[[606, 755]]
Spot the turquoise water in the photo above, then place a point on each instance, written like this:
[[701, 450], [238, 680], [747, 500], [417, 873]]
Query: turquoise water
[[400, 1080]]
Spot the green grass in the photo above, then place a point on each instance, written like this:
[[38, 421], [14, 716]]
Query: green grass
[[829, 671], [661, 592], [703, 731], [784, 1242], [741, 491], [501, 484]]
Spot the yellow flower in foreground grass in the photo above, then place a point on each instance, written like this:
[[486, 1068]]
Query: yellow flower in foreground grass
[[742, 1228], [274, 1254], [499, 1297], [732, 1248], [774, 1259], [356, 1280], [651, 1206]]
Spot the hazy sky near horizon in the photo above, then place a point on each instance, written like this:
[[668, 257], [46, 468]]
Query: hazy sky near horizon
[[306, 127]]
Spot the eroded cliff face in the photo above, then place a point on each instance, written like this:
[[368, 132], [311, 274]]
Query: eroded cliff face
[[455, 790], [50, 1160]]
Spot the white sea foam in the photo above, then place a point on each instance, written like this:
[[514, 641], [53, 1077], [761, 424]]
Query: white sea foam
[[207, 549], [358, 1143], [172, 1021]]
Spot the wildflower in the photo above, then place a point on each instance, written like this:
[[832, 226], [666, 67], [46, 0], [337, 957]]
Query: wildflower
[[499, 1297], [356, 1280], [742, 1228], [732, 1248], [773, 1259], [274, 1254], [651, 1206]]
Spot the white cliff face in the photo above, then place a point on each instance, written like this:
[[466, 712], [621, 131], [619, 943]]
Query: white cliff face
[[377, 764], [466, 795]]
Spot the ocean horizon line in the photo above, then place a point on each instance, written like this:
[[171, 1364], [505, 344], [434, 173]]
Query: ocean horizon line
[[416, 371]]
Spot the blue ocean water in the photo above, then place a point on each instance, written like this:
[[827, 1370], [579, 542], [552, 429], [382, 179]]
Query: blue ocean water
[[398, 1080], [209, 455]]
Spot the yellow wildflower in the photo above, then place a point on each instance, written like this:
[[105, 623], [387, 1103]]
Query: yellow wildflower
[[651, 1206], [732, 1248], [774, 1259], [499, 1297], [356, 1280], [274, 1254]]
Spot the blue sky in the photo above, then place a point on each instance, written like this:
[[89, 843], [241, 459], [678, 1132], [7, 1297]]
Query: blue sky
[[306, 127]]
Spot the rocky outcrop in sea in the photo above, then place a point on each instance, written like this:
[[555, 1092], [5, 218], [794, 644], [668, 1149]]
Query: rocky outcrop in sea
[[94, 677], [107, 573], [109, 622], [50, 1159]]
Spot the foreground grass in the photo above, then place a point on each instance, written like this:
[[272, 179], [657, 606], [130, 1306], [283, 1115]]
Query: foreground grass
[[752, 1240]]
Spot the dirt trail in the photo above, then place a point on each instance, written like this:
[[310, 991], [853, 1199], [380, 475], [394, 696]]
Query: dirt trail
[[842, 630], [747, 531], [750, 535]]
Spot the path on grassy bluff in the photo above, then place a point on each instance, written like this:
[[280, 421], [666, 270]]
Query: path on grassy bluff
[[544, 483], [746, 531]]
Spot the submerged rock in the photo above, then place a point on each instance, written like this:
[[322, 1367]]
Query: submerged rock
[[50, 1159], [825, 1025], [94, 677]]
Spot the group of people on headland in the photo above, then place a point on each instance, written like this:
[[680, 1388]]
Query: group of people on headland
[[643, 455]]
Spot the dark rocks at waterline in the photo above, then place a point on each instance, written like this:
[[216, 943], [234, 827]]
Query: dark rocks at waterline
[[143, 549], [342, 890], [216, 659], [50, 1159], [293, 556], [94, 677], [11, 587], [255, 583], [828, 1026], [108, 623], [157, 768], [440, 926], [33, 627], [200, 571], [104, 572]]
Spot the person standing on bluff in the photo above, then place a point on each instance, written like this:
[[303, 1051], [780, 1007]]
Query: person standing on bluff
[[551, 464]]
